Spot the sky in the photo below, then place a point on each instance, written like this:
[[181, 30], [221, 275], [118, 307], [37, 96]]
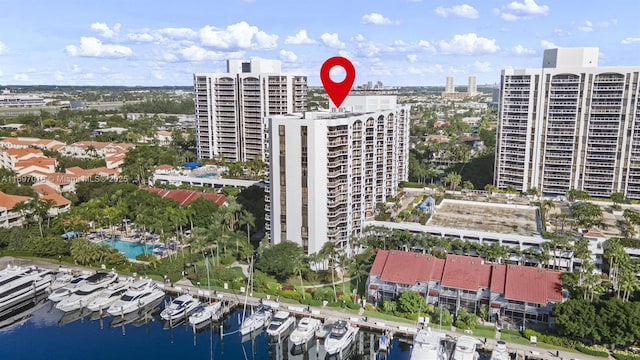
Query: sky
[[398, 42]]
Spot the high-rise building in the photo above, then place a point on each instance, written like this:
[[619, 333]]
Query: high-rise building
[[449, 87], [231, 108], [570, 125], [328, 170], [472, 89]]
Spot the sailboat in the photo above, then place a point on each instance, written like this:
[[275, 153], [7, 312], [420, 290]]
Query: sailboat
[[205, 313]]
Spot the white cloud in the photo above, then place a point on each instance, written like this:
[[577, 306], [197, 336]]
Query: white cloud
[[21, 77], [547, 44], [468, 44], [522, 10], [528, 7], [375, 19], [299, 38], [464, 10], [630, 40], [586, 27], [288, 56], [196, 53], [482, 66], [3, 48], [237, 36], [141, 37], [178, 33], [105, 31], [521, 50], [58, 75], [432, 69], [412, 58], [93, 47], [332, 41]]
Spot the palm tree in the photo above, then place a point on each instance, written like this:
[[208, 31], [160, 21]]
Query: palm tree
[[453, 179], [329, 252], [629, 281], [247, 218], [41, 209], [298, 266]]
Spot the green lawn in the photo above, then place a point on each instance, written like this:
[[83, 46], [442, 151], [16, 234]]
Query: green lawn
[[488, 332]]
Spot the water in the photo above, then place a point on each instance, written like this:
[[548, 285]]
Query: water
[[43, 337], [207, 175], [128, 248]]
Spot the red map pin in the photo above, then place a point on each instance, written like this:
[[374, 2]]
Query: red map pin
[[337, 91]]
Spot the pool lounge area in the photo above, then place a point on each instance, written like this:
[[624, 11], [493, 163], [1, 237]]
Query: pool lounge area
[[128, 248]]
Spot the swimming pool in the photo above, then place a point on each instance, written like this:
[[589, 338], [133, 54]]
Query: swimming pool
[[207, 175], [128, 248]]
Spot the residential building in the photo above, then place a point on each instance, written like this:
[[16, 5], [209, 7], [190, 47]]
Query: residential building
[[570, 125], [8, 216], [472, 88], [451, 93], [29, 142], [449, 87], [512, 291], [8, 100], [328, 170], [231, 108]]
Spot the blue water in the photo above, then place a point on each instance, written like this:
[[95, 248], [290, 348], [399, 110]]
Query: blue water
[[129, 249], [41, 337], [207, 175]]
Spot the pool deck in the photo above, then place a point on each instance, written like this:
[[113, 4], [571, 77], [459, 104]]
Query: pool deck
[[128, 238]]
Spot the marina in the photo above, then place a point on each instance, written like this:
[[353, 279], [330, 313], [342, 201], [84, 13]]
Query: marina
[[297, 330]]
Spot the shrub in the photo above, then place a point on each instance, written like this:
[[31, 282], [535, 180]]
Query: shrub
[[353, 306], [291, 294], [288, 287], [227, 259], [311, 302], [593, 351], [369, 307], [624, 355]]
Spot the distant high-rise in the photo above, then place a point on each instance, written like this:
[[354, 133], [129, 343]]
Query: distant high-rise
[[570, 125], [472, 89], [449, 87], [231, 108], [328, 171]]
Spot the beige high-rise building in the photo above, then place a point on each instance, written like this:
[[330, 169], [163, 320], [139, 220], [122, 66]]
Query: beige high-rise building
[[231, 108], [449, 87], [328, 170], [472, 89], [570, 125]]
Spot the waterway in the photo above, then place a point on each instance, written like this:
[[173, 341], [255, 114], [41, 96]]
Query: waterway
[[47, 333]]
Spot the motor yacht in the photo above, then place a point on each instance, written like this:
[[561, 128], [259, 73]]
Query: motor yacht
[[305, 331], [428, 345], [138, 317], [258, 320], [140, 295], [341, 336], [21, 312], [89, 290], [66, 290], [281, 325], [20, 283], [385, 341], [180, 308], [465, 349], [500, 352], [204, 313], [61, 279], [108, 296]]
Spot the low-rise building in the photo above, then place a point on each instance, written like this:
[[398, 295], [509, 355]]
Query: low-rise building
[[520, 293]]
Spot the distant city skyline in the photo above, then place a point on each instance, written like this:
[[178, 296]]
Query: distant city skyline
[[400, 42]]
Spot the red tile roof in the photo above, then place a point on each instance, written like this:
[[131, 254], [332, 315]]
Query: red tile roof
[[532, 284], [498, 276], [466, 272], [186, 196], [406, 267], [10, 201], [521, 283]]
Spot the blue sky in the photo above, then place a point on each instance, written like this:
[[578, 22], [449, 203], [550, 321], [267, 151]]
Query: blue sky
[[399, 42]]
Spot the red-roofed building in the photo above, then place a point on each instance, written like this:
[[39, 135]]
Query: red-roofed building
[[467, 282], [9, 217], [184, 197]]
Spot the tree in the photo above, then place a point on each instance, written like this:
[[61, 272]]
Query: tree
[[453, 179], [411, 302], [587, 214], [575, 194], [329, 253], [618, 198], [247, 218], [277, 260]]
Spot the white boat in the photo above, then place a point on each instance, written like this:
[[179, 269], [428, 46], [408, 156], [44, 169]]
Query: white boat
[[428, 345], [180, 308], [305, 331], [88, 291], [465, 349], [500, 352], [62, 292], [108, 296], [20, 283], [205, 313], [140, 295], [385, 340], [61, 279], [281, 324], [341, 336], [256, 321]]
